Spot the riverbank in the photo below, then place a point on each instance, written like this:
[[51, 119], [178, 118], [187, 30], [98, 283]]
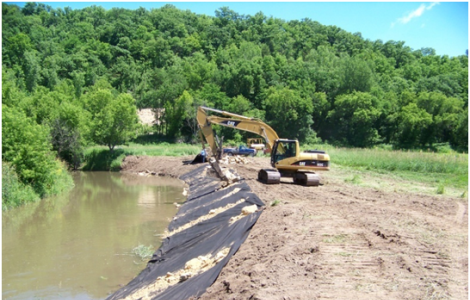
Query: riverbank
[[380, 239]]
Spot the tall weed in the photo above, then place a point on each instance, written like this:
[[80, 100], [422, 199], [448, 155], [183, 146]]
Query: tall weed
[[15, 193]]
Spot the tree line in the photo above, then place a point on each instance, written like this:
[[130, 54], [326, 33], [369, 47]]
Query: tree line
[[76, 77]]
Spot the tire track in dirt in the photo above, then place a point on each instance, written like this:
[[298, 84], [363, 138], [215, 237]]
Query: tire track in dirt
[[458, 259], [461, 211]]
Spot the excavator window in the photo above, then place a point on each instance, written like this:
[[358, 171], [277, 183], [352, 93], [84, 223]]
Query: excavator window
[[283, 150], [290, 152]]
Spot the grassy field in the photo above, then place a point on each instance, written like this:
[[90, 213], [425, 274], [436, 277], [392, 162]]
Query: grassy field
[[441, 170]]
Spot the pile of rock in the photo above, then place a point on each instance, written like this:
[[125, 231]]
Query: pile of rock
[[230, 160], [147, 173]]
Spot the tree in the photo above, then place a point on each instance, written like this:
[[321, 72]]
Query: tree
[[325, 70], [113, 119], [26, 146], [31, 71], [198, 70], [321, 107], [445, 112], [460, 132], [18, 45], [67, 132], [356, 75], [176, 113], [410, 123], [289, 114], [211, 95], [354, 118], [66, 141]]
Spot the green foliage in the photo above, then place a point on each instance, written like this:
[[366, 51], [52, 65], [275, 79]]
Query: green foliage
[[11, 94], [289, 113], [65, 140], [303, 78], [26, 146], [446, 114], [355, 115], [356, 75], [355, 179], [101, 159], [440, 189], [14, 192], [236, 140], [143, 252], [460, 140], [113, 119], [177, 112], [410, 123]]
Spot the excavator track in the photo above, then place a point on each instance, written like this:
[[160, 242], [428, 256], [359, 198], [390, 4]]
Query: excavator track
[[269, 176], [306, 178]]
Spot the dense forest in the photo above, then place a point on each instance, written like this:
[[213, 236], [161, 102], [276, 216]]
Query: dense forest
[[73, 78]]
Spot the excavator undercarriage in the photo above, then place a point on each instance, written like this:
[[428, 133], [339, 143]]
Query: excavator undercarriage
[[273, 176]]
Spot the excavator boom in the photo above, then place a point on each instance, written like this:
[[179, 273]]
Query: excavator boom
[[235, 121]]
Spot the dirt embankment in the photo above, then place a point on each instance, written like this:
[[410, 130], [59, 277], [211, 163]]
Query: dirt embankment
[[340, 241]]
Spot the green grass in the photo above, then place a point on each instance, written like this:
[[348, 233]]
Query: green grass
[[162, 149], [424, 162], [15, 193], [440, 189], [143, 252], [446, 169], [355, 179]]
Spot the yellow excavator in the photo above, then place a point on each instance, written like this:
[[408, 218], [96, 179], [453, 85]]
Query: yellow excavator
[[286, 157]]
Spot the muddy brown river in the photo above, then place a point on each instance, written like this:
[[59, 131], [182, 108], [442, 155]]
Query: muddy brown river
[[79, 245]]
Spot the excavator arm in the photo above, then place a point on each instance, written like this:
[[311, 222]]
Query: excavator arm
[[234, 121]]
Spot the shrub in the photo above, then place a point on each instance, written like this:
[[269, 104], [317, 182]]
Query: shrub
[[14, 193], [26, 146]]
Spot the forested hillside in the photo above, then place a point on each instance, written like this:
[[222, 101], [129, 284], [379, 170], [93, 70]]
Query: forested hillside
[[77, 77]]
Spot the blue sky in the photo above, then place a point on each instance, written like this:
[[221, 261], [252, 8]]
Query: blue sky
[[439, 25]]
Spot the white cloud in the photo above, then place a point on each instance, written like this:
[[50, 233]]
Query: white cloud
[[432, 5], [415, 14]]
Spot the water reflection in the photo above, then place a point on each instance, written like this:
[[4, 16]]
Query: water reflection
[[77, 246]]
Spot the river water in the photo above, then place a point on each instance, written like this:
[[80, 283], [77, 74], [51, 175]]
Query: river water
[[79, 245]]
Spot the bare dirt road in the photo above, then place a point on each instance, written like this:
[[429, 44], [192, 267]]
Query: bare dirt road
[[341, 240]]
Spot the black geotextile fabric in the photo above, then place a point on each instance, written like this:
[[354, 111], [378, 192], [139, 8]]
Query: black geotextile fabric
[[205, 238]]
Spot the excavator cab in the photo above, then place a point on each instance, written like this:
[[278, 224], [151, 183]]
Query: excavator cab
[[283, 149]]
